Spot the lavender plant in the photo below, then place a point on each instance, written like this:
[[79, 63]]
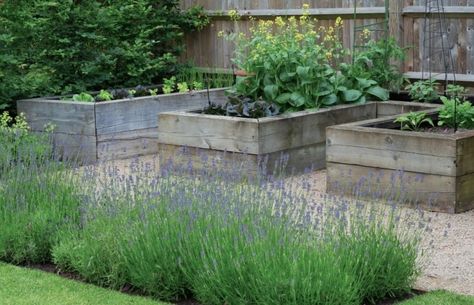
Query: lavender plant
[[38, 196], [223, 240]]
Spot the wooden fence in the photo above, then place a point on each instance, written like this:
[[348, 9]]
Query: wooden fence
[[406, 24]]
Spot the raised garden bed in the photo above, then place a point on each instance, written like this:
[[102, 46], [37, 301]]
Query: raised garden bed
[[374, 159], [294, 141], [114, 129]]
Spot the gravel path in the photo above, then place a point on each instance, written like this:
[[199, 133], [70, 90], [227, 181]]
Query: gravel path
[[450, 246]]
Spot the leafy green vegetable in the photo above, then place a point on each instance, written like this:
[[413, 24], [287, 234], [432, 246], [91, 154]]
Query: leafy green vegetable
[[83, 97], [456, 113], [423, 90], [413, 121], [104, 95]]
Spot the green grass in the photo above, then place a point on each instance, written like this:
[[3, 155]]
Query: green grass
[[21, 286], [440, 298]]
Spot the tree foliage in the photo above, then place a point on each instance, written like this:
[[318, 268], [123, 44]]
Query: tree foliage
[[65, 46]]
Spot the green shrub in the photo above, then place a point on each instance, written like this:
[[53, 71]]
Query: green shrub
[[50, 47]]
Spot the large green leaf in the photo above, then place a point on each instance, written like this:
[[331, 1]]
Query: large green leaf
[[379, 92], [330, 100], [287, 76], [303, 72], [351, 95], [283, 98], [267, 80], [271, 92], [365, 83], [297, 99]]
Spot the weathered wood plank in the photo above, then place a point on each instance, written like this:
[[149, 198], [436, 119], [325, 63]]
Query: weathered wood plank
[[464, 193], [431, 192], [77, 148], [449, 11], [142, 113], [68, 117], [305, 128], [209, 131], [320, 13], [461, 79], [209, 160], [127, 144], [286, 163], [465, 153], [392, 149], [386, 109], [296, 160], [392, 159]]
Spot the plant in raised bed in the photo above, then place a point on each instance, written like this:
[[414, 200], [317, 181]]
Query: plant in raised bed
[[169, 85], [83, 97], [104, 95], [413, 121], [376, 59], [182, 87], [423, 90], [290, 64]]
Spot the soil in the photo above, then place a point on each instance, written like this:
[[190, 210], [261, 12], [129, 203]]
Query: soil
[[443, 130]]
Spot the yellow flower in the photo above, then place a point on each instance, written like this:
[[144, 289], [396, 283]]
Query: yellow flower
[[292, 20], [339, 21], [234, 15], [366, 33], [220, 34], [279, 21], [299, 36], [328, 55], [305, 6]]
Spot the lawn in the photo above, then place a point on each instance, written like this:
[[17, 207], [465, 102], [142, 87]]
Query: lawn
[[21, 286], [440, 298]]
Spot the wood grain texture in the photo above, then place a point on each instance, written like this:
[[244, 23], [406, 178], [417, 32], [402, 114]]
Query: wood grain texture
[[80, 149], [439, 167], [127, 144], [209, 131], [305, 128], [68, 117], [293, 161], [431, 192], [391, 108], [297, 140], [142, 113]]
